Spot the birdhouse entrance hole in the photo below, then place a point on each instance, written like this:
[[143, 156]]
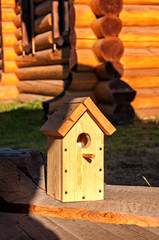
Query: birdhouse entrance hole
[[84, 140]]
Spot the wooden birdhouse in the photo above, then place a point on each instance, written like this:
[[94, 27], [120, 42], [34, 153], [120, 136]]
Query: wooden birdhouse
[[75, 157]]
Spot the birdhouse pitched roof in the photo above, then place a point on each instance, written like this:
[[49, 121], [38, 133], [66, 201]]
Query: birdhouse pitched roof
[[66, 116]]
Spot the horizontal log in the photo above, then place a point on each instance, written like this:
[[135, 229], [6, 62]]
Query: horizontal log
[[42, 41], [141, 73], [8, 27], [8, 4], [107, 26], [139, 34], [145, 102], [114, 92], [41, 87], [7, 14], [43, 8], [141, 44], [110, 48], [149, 52], [9, 79], [9, 39], [10, 66], [85, 38], [140, 2], [86, 60], [51, 106], [85, 43], [17, 20], [142, 81], [109, 70], [121, 114], [146, 58], [83, 12], [85, 33], [43, 24], [147, 113], [148, 92], [83, 81], [26, 97], [140, 15], [18, 33], [140, 37], [102, 7], [45, 57], [8, 92], [9, 53], [140, 62], [44, 72]]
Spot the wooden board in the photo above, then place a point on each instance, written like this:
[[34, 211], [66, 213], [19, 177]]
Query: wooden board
[[117, 199]]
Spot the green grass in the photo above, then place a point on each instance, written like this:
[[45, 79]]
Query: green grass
[[20, 126], [130, 153]]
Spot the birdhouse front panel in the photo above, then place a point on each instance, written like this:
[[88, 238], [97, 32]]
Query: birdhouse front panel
[[83, 162]]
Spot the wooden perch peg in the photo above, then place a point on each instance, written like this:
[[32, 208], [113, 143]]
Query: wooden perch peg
[[87, 155]]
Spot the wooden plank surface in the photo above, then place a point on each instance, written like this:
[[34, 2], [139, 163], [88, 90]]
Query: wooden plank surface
[[20, 189]]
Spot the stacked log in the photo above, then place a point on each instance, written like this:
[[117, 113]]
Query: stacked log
[[113, 95], [8, 79], [141, 56], [44, 74]]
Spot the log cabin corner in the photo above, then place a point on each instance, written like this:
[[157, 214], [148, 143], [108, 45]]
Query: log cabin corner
[[56, 50]]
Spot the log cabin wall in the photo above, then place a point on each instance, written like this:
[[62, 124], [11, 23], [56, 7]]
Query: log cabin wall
[[43, 74], [8, 79], [140, 36], [97, 68]]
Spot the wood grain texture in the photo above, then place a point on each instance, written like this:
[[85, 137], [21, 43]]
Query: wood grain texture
[[63, 120], [41, 87], [107, 26], [140, 2], [117, 198], [9, 39], [78, 184], [147, 113], [101, 7], [139, 34], [43, 24], [83, 81], [9, 79], [142, 81], [140, 15], [7, 14], [108, 49], [147, 58], [41, 72], [82, 13], [86, 64], [45, 57], [8, 92], [54, 167]]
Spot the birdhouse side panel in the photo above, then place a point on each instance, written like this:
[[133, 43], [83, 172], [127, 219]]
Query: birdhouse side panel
[[83, 162], [54, 167]]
